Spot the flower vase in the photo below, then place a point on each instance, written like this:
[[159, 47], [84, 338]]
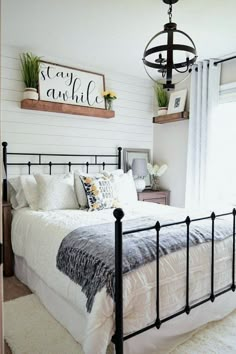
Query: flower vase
[[109, 105], [155, 183]]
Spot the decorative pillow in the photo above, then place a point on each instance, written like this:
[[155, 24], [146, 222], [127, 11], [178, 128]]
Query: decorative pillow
[[124, 188], [99, 192], [30, 189], [79, 188], [56, 192], [16, 193]]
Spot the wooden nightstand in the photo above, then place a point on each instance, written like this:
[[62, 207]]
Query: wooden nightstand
[[8, 257], [159, 197]]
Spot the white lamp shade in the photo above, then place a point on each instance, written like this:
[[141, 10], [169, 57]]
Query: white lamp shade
[[139, 167]]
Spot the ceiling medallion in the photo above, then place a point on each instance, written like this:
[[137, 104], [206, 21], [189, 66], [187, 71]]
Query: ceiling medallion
[[168, 57]]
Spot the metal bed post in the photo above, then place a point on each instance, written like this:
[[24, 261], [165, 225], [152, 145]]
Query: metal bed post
[[119, 156], [213, 216], [158, 321], [4, 187], [118, 337], [187, 307], [233, 260]]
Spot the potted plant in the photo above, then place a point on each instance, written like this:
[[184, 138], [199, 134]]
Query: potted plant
[[109, 97], [162, 99], [155, 172], [30, 73]]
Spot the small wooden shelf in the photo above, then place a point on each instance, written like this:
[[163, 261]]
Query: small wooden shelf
[[66, 108], [168, 118]]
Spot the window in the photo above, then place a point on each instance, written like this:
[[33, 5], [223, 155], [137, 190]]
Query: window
[[223, 143]]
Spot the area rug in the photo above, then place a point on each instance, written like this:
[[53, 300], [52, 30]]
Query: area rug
[[30, 329]]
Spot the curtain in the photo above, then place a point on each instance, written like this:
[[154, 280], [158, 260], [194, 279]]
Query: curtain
[[204, 98]]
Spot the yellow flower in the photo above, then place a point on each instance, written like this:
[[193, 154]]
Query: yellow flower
[[108, 94], [112, 94], [87, 180]]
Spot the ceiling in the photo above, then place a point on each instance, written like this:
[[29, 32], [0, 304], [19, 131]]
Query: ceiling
[[112, 34]]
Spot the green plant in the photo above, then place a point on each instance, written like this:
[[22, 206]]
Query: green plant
[[30, 69], [161, 96]]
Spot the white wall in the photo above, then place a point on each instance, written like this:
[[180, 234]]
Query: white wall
[[170, 142], [170, 146], [37, 131], [80, 35]]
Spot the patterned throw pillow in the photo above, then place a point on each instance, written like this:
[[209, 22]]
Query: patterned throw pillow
[[99, 192]]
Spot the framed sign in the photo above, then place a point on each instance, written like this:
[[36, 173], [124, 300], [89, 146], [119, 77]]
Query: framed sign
[[130, 154], [63, 84]]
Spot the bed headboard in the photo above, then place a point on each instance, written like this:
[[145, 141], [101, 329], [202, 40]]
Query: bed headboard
[[39, 160]]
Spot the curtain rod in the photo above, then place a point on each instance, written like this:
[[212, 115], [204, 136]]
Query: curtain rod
[[223, 60]]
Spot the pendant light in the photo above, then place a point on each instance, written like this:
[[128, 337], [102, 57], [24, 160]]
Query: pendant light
[[172, 56]]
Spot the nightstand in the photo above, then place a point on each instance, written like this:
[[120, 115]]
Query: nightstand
[[8, 257], [159, 197]]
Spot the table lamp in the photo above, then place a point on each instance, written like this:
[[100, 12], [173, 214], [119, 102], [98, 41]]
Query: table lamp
[[139, 168]]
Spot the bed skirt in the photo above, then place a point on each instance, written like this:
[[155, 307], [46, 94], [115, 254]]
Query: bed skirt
[[163, 341]]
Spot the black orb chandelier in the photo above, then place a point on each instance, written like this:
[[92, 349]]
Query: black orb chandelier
[[165, 58]]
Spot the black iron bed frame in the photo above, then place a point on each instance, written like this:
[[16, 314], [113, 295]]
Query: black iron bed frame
[[119, 338]]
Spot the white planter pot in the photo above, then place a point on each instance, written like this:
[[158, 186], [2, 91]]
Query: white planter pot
[[162, 111], [30, 94]]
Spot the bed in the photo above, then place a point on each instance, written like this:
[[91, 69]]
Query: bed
[[156, 295]]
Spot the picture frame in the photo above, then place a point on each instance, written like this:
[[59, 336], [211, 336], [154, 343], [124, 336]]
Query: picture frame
[[177, 101], [66, 84], [130, 153]]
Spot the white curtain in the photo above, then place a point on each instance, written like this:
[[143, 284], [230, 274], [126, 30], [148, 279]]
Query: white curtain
[[204, 98]]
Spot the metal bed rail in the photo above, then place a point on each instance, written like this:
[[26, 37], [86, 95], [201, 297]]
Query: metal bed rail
[[119, 337], [96, 157]]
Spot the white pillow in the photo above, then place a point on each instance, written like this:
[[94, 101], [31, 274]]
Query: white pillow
[[29, 186], [124, 188], [56, 192], [79, 187], [117, 172], [16, 193]]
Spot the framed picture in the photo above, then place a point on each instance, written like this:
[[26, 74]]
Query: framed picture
[[64, 84], [177, 101], [130, 154]]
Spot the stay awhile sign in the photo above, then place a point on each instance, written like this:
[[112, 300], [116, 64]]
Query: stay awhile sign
[[63, 84]]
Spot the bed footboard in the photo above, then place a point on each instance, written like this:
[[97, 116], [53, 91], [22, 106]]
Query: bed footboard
[[119, 338]]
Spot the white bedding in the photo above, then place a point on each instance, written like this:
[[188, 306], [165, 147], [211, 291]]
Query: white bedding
[[36, 236]]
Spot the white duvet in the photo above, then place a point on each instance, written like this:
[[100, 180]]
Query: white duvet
[[36, 236]]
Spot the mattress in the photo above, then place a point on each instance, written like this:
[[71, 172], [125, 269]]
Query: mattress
[[36, 237]]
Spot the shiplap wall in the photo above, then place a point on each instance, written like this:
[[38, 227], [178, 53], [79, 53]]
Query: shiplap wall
[[45, 132]]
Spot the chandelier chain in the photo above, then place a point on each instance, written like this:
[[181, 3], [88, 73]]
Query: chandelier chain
[[170, 12]]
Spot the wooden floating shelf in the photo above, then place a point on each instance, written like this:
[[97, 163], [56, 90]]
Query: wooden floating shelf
[[66, 108], [168, 118]]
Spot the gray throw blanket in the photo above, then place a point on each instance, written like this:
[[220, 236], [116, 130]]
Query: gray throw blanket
[[86, 255]]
